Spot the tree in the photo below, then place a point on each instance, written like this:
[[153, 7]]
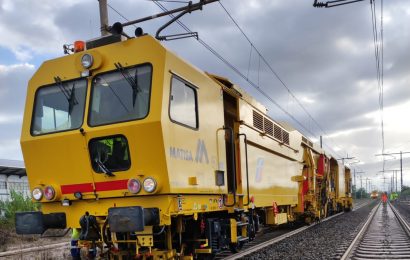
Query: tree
[[405, 191], [361, 193]]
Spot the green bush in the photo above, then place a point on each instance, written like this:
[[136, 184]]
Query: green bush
[[18, 202], [405, 190]]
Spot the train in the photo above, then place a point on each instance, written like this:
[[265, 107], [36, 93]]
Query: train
[[374, 194], [142, 154]]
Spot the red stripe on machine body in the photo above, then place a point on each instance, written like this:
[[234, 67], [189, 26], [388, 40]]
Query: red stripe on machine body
[[99, 186], [111, 185]]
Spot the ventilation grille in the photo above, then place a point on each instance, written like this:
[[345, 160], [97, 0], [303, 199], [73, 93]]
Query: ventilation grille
[[285, 137], [307, 141], [257, 120], [278, 132], [269, 128]]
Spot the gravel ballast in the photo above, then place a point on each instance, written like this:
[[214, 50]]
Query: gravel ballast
[[403, 206], [327, 240]]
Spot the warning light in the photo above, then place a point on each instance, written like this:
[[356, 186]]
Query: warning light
[[79, 46]]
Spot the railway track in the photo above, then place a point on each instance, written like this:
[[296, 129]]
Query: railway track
[[266, 241], [385, 235], [37, 252], [260, 243]]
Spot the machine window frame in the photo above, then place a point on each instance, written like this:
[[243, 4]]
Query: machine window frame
[[96, 139], [195, 90], [35, 103], [111, 71]]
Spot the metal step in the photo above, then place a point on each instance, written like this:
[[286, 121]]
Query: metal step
[[243, 239], [241, 224]]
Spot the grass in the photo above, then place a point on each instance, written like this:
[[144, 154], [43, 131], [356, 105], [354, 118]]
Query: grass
[[18, 202]]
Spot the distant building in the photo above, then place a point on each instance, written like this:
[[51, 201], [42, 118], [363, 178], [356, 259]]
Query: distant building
[[12, 177]]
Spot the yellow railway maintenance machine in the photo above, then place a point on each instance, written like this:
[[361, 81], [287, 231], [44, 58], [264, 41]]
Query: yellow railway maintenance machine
[[145, 155]]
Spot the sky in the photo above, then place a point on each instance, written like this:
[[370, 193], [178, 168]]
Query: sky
[[324, 61]]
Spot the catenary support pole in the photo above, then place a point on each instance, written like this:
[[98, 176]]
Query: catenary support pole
[[103, 17]]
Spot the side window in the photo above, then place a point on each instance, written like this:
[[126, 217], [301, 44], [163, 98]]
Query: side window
[[109, 154], [183, 106]]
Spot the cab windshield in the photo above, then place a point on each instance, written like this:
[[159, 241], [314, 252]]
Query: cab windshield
[[121, 95], [59, 107]]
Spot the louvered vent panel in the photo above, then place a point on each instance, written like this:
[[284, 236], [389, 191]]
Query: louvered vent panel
[[304, 139], [285, 137], [257, 120], [278, 133], [310, 143], [268, 126]]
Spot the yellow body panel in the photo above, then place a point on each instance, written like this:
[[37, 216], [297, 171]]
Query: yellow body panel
[[271, 165], [63, 158], [194, 153]]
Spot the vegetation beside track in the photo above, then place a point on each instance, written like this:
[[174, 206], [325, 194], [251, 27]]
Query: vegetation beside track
[[18, 202]]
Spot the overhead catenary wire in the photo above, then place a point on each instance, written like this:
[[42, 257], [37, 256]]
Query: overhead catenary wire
[[254, 85], [122, 16], [272, 70], [275, 74], [379, 58], [236, 70], [246, 77]]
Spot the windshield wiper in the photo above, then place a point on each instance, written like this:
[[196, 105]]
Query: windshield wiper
[[133, 82], [69, 94], [103, 167]]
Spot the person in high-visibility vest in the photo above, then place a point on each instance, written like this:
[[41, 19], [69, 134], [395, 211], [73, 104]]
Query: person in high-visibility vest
[[75, 250], [384, 197]]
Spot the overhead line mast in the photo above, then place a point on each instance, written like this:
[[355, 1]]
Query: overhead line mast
[[103, 17]]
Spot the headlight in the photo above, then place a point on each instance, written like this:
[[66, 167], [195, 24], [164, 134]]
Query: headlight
[[87, 61], [49, 193], [149, 184], [134, 186], [37, 194]]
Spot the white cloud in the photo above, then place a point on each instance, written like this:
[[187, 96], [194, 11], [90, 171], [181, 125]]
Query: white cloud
[[10, 119], [10, 149], [307, 100], [349, 132], [29, 28], [5, 69], [395, 118]]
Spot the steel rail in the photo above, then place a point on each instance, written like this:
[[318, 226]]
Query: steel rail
[[276, 239], [402, 221], [34, 249], [362, 231], [385, 235]]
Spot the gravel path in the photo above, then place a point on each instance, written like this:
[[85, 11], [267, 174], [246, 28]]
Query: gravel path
[[328, 240]]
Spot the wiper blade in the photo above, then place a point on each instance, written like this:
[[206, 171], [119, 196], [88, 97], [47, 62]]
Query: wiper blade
[[103, 167], [72, 101], [133, 82], [69, 94]]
